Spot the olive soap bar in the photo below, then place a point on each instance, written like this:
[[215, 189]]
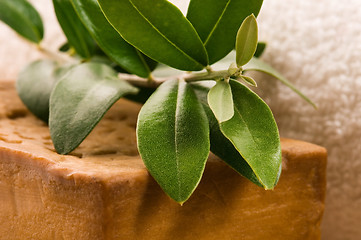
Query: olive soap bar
[[102, 190]]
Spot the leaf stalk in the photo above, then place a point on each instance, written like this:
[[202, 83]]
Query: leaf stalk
[[188, 77], [57, 56]]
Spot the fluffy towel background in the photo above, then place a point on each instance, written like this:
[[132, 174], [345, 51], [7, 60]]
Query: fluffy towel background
[[315, 44]]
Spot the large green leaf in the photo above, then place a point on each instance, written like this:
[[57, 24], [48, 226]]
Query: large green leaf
[[246, 41], [109, 39], [258, 65], [35, 84], [220, 101], [159, 30], [80, 100], [220, 145], [173, 138], [254, 133], [217, 23], [74, 30], [21, 16]]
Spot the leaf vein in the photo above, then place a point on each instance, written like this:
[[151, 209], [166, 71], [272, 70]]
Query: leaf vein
[[162, 35], [217, 23], [177, 113], [248, 130]]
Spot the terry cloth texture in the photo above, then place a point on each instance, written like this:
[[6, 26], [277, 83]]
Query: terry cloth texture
[[317, 46]]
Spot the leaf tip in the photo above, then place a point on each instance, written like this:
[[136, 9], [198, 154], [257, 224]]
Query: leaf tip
[[313, 104], [61, 148]]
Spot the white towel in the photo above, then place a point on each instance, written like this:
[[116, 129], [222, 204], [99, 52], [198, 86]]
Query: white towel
[[317, 46]]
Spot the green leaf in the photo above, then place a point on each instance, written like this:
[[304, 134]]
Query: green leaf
[[220, 101], [22, 17], [64, 47], [220, 145], [258, 65], [249, 80], [261, 46], [80, 100], [254, 133], [246, 41], [173, 139], [74, 30], [159, 30], [217, 23], [35, 84], [233, 69], [109, 40]]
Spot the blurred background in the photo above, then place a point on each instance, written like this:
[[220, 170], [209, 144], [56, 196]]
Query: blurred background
[[317, 46]]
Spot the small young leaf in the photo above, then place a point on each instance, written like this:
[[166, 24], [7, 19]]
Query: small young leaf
[[220, 145], [173, 138], [249, 80], [261, 46], [22, 17], [159, 30], [35, 84], [220, 101], [258, 65], [217, 22], [74, 30], [80, 100], [254, 133], [246, 41], [109, 39], [233, 69]]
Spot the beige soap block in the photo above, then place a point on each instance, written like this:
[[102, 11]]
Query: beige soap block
[[103, 191]]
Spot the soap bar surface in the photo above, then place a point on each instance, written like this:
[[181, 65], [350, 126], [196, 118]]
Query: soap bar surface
[[103, 191]]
